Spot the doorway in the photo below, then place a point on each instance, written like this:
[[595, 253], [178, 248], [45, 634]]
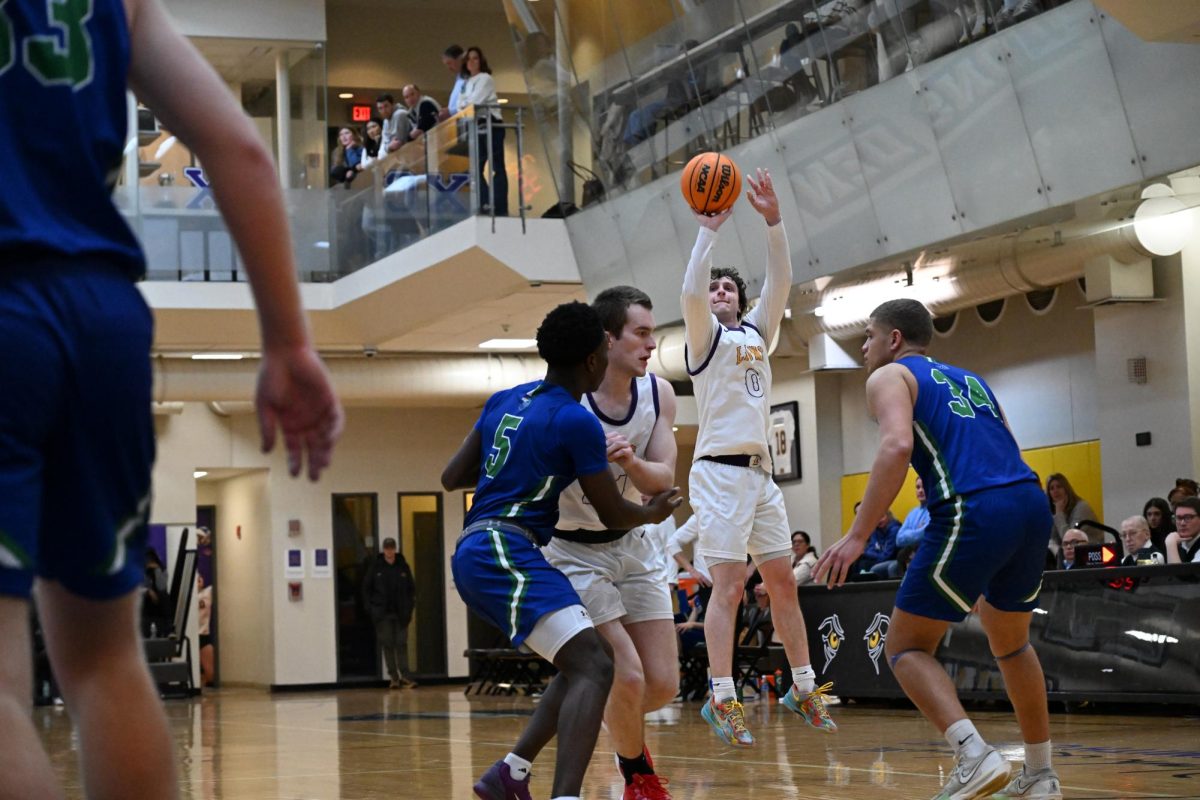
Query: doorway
[[421, 542], [355, 532]]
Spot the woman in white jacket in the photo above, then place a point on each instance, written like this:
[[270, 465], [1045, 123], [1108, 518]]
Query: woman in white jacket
[[480, 90]]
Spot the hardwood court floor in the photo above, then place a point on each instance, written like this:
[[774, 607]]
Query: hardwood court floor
[[237, 744]]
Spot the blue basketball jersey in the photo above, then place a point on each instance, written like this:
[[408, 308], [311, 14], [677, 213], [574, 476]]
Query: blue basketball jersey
[[536, 440], [960, 442], [63, 114]]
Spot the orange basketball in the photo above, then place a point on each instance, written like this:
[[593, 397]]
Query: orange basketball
[[711, 183]]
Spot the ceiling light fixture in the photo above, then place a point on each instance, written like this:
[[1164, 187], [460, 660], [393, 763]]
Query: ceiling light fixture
[[1162, 223], [217, 356], [508, 344], [346, 96], [199, 474]]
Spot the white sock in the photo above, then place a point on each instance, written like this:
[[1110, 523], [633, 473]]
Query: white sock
[[723, 690], [1037, 756], [517, 766], [804, 678], [965, 740]]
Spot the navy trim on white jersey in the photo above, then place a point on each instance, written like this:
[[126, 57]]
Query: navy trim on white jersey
[[654, 394], [712, 351], [632, 406]]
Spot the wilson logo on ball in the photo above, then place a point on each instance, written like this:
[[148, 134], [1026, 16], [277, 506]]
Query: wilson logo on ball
[[710, 183]]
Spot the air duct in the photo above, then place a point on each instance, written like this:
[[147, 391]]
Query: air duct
[[1038, 259], [454, 381]]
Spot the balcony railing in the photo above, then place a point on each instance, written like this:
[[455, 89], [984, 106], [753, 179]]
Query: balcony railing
[[426, 186]]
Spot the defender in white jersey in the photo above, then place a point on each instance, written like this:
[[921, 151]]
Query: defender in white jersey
[[618, 574], [739, 509]]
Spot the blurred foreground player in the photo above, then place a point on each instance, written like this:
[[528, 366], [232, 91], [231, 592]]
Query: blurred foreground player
[[76, 437]]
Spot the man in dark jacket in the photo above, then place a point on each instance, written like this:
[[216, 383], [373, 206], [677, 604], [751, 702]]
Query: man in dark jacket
[[389, 594]]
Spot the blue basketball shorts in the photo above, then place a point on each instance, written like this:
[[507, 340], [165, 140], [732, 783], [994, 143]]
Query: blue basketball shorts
[[76, 435], [990, 543], [502, 577]]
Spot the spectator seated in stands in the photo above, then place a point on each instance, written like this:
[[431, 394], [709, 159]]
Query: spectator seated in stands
[[804, 558], [1158, 516], [395, 122], [1184, 487], [1068, 509], [1070, 539], [1182, 545], [347, 157], [423, 111], [1135, 538], [879, 558], [912, 530]]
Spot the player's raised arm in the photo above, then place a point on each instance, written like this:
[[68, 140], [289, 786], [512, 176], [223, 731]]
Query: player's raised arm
[[698, 320], [768, 314]]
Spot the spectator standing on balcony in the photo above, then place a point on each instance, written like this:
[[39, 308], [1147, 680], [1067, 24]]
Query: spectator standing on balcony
[[372, 143], [453, 57], [1183, 546], [1068, 508], [423, 111], [75, 468], [395, 122], [480, 90], [347, 157], [987, 532]]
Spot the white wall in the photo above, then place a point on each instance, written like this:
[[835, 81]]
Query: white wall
[[1160, 406], [371, 45], [384, 451], [294, 20], [1042, 368], [813, 501]]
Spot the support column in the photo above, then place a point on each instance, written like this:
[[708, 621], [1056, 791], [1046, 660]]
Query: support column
[[562, 60], [283, 119], [1167, 335], [1190, 279]]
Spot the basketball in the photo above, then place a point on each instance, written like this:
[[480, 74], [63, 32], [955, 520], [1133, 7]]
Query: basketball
[[711, 183]]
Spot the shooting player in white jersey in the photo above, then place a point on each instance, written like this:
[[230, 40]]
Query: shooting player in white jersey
[[739, 509], [618, 574]]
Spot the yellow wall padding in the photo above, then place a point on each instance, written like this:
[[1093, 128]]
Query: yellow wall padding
[[1079, 461]]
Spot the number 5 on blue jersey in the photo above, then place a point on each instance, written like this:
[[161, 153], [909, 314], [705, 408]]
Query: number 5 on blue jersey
[[501, 445]]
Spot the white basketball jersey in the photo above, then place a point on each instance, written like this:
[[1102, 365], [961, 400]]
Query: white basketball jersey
[[574, 510], [732, 382]]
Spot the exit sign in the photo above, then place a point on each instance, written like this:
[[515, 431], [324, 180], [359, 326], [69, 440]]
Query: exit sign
[[360, 113]]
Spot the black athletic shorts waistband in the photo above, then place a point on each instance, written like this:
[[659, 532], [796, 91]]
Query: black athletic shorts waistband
[[735, 461]]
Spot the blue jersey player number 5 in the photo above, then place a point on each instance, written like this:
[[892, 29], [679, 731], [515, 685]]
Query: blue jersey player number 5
[[52, 60], [501, 444]]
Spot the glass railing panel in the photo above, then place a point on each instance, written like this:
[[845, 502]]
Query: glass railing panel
[[646, 85], [422, 188]]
